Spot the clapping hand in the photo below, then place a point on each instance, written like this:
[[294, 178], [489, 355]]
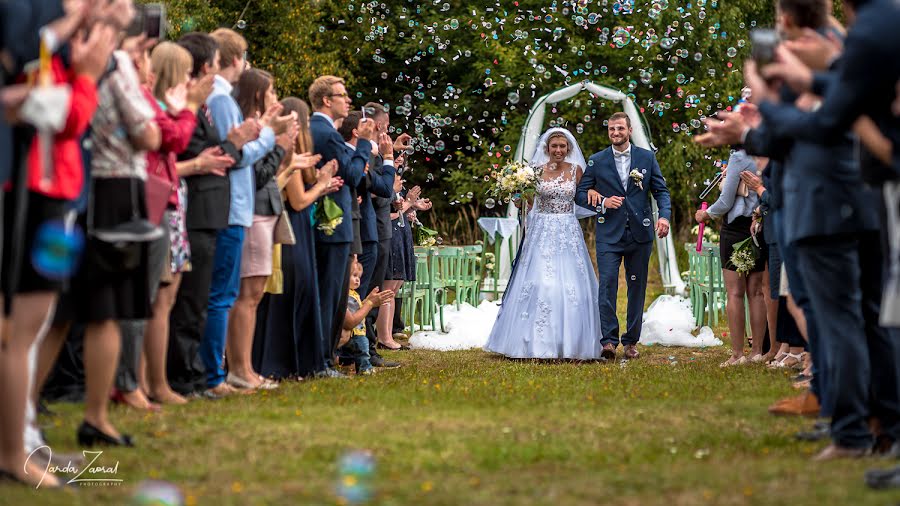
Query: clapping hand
[[377, 298], [814, 49], [402, 142], [244, 133], [725, 129], [752, 181], [386, 146], [198, 90], [422, 204], [366, 129], [213, 161], [414, 194]]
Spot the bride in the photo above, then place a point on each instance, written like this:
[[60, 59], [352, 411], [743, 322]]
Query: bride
[[550, 310]]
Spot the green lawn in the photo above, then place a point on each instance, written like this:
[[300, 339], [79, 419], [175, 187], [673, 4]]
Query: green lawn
[[468, 428]]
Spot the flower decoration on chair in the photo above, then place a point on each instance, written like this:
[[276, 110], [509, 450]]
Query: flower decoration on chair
[[425, 236], [709, 234], [328, 216], [514, 181], [637, 177]]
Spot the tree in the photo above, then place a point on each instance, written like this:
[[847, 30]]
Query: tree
[[462, 78]]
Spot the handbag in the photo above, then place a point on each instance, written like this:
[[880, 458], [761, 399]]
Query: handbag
[[284, 232], [117, 249], [158, 190]]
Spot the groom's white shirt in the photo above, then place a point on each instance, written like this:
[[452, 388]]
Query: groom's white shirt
[[623, 163]]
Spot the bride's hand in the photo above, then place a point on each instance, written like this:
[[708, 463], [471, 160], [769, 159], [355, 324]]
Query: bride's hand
[[594, 198]]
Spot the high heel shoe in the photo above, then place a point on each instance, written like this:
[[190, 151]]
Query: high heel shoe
[[88, 435]]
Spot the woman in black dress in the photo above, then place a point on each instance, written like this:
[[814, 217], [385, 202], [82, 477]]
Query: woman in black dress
[[288, 339]]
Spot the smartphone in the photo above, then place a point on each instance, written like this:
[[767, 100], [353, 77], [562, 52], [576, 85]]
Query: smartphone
[[764, 41], [155, 21], [150, 20]]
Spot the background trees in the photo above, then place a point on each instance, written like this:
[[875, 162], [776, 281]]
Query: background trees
[[462, 78]]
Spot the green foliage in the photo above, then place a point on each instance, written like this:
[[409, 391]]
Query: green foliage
[[462, 78]]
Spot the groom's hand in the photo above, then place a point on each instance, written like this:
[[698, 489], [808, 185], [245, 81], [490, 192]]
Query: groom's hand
[[614, 202], [594, 198], [662, 228]]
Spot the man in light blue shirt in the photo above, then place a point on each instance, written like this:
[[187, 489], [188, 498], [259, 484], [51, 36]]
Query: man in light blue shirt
[[225, 115]]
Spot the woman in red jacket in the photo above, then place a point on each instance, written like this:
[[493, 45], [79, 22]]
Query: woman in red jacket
[[51, 187]]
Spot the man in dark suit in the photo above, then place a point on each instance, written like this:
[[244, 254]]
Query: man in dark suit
[[330, 101], [378, 183], [863, 376], [619, 181], [207, 213], [382, 203]]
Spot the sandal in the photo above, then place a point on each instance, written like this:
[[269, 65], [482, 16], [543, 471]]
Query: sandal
[[788, 360], [734, 361]]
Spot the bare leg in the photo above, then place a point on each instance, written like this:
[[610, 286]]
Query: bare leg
[[241, 326], [771, 317], [47, 355], [736, 288], [156, 344], [799, 317], [757, 302], [386, 316], [30, 317], [101, 356]]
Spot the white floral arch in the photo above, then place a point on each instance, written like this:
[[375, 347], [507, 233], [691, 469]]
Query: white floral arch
[[534, 127]]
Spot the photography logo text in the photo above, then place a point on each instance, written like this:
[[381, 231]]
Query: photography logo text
[[95, 472]]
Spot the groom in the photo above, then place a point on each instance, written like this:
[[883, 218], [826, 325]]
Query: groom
[[618, 183]]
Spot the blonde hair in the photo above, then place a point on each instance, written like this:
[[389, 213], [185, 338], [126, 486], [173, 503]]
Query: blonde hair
[[321, 88], [231, 45], [170, 63]]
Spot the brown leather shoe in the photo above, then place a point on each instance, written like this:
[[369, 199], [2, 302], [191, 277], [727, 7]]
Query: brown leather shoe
[[805, 404], [631, 352], [609, 352], [833, 451]]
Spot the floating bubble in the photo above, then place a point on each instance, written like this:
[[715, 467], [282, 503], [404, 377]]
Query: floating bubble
[[439, 145], [157, 492], [731, 52], [513, 97], [356, 471], [241, 24], [57, 250], [601, 220], [621, 37], [490, 203]]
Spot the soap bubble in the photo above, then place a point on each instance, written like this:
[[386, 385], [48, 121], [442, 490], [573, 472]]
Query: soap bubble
[[490, 203]]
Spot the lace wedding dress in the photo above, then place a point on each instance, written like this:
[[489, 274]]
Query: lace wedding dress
[[550, 307]]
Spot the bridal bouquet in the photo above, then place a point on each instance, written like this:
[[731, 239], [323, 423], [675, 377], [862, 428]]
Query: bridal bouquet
[[328, 216], [744, 256], [515, 180]]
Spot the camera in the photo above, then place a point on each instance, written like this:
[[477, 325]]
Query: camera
[[149, 19], [764, 41]]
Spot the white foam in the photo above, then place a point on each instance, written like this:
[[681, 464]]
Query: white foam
[[468, 327], [669, 321]]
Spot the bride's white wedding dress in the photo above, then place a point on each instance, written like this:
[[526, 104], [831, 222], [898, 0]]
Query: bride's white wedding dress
[[550, 310]]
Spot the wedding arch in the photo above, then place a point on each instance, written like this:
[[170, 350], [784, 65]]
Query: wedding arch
[[534, 127]]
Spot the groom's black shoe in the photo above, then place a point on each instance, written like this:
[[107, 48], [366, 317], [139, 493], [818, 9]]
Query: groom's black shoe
[[609, 352]]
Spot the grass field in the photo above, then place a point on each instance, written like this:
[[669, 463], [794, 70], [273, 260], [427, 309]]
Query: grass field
[[468, 428]]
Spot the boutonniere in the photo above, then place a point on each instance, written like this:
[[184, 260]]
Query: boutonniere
[[638, 178]]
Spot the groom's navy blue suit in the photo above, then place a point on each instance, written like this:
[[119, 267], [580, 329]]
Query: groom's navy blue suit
[[625, 233]]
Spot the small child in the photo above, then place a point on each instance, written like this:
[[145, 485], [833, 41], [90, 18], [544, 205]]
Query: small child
[[353, 336]]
